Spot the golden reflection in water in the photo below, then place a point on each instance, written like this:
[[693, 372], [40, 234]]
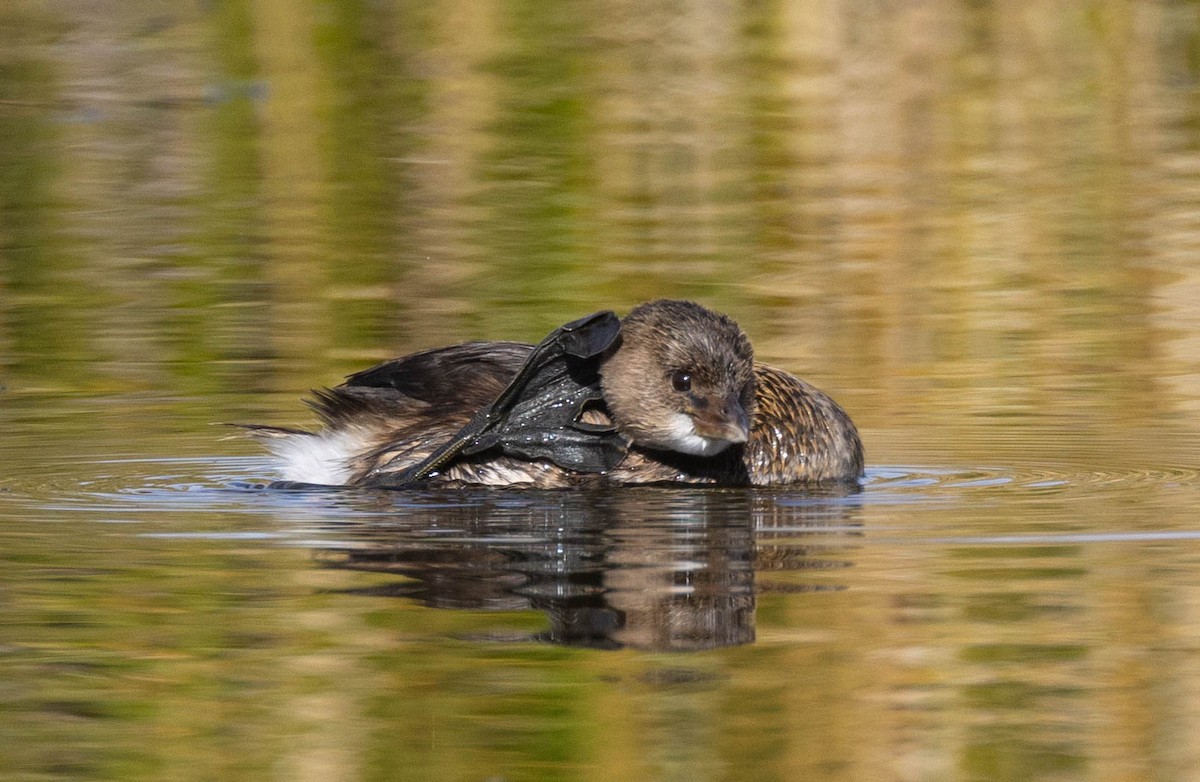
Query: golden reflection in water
[[942, 210], [975, 223], [652, 570]]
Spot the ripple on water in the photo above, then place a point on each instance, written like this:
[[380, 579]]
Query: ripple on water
[[171, 477], [652, 567], [939, 480], [124, 489]]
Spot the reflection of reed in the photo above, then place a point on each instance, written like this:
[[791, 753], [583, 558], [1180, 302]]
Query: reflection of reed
[[946, 192], [653, 569], [948, 212]]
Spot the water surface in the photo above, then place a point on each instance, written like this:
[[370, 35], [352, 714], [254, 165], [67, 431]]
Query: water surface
[[976, 225]]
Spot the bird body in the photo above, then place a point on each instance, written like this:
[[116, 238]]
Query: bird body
[[679, 390]]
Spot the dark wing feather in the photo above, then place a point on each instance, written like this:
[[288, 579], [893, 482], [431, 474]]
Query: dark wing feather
[[475, 368], [536, 416], [449, 382]]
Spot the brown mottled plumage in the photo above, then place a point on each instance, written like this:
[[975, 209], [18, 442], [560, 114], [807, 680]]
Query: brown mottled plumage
[[681, 385], [798, 434]]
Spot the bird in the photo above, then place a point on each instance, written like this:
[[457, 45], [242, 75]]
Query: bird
[[674, 396]]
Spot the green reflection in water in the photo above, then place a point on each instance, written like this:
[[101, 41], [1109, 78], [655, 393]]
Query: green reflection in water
[[113, 674], [1004, 607], [539, 176], [1012, 694], [214, 318], [1008, 752], [1021, 652], [365, 52], [46, 328], [978, 217]]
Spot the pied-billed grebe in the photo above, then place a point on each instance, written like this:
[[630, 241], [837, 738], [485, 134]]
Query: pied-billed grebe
[[670, 395]]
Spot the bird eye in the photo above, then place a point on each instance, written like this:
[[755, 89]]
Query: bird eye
[[681, 381]]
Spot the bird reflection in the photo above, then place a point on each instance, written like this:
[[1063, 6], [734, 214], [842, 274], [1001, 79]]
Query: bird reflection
[[649, 568]]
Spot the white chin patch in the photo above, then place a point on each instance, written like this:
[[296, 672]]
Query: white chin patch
[[682, 437]]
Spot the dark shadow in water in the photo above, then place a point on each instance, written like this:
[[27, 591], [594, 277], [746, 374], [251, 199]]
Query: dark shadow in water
[[663, 569]]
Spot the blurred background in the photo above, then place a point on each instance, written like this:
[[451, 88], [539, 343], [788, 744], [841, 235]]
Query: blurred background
[[976, 224], [937, 210]]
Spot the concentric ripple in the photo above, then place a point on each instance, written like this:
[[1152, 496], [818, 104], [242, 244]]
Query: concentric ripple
[[215, 484]]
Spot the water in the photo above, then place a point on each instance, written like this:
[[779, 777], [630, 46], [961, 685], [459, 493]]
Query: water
[[976, 225]]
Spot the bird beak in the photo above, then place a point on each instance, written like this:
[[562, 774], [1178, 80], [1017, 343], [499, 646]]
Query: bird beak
[[723, 419]]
